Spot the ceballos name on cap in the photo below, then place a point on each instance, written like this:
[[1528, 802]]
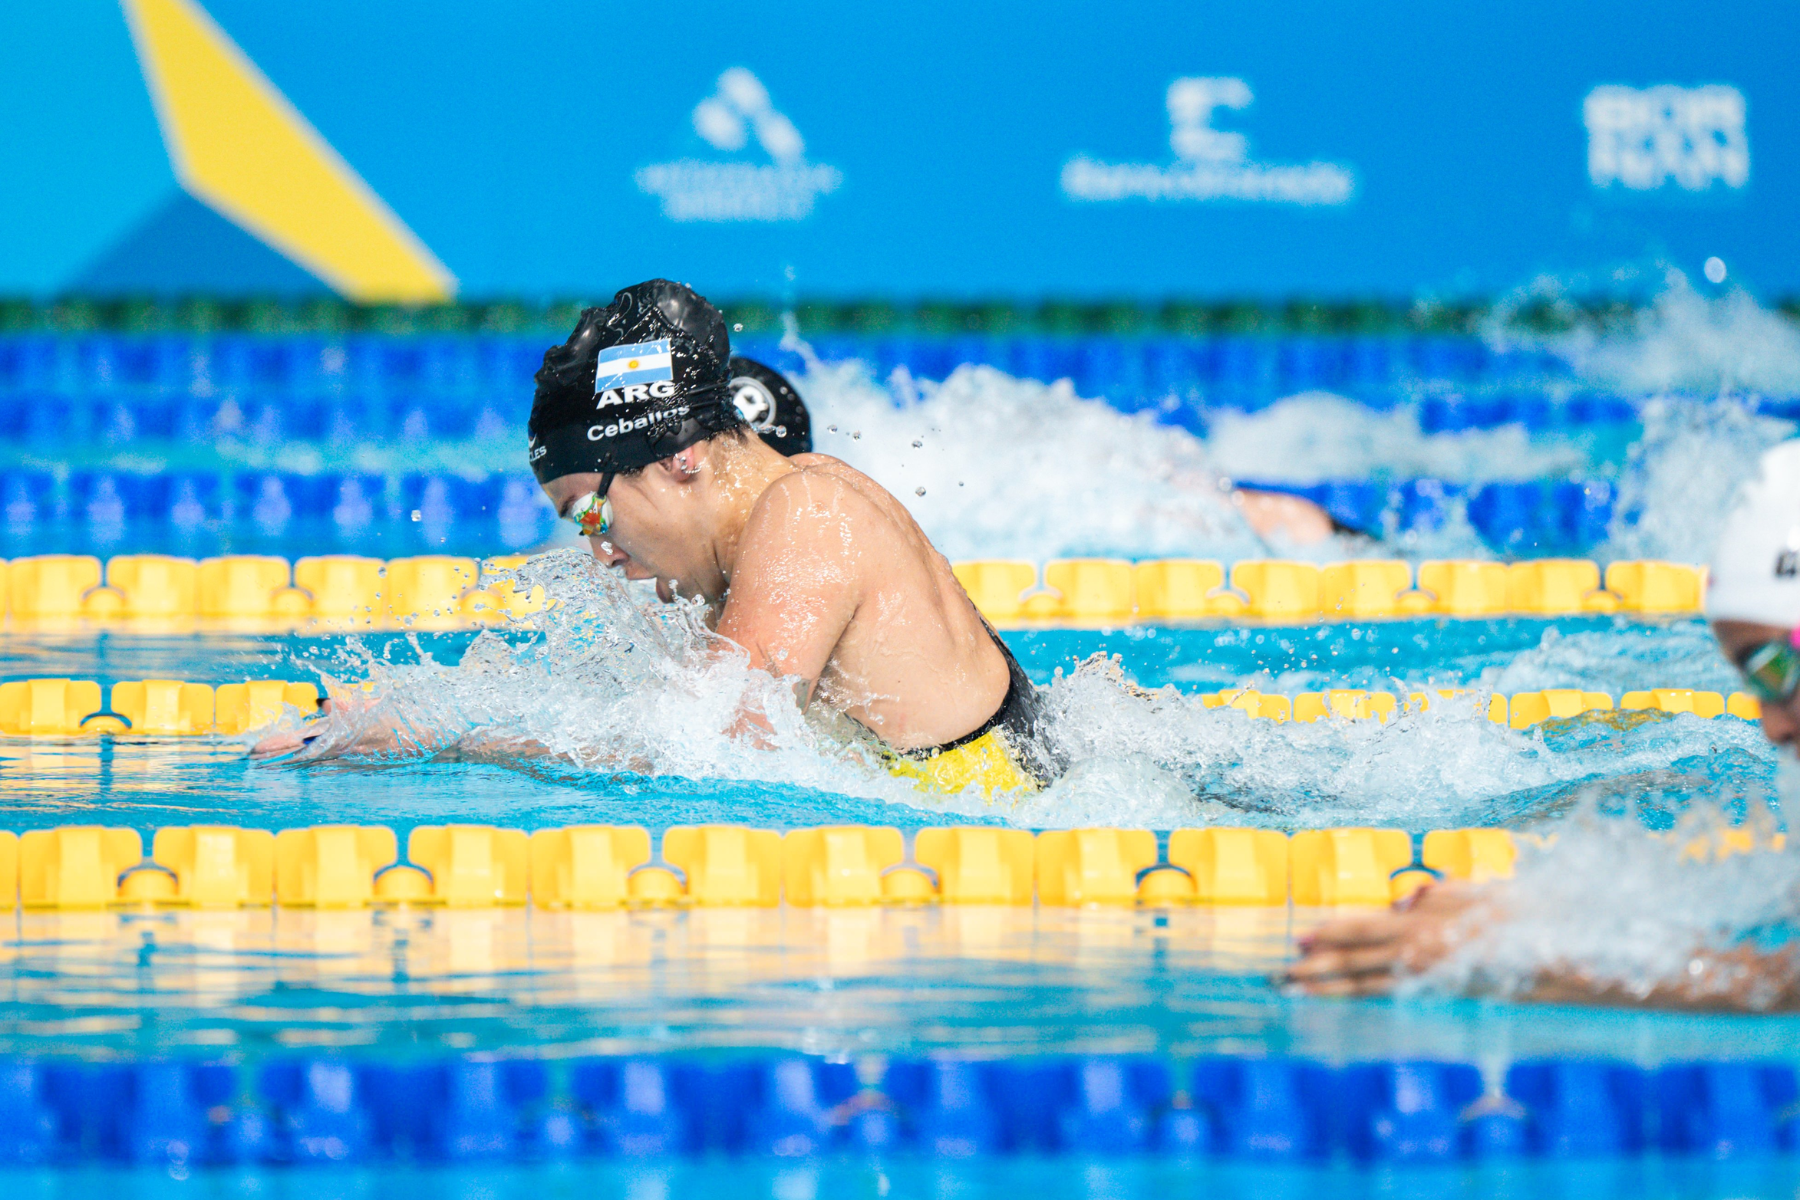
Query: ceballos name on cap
[[598, 433], [636, 393]]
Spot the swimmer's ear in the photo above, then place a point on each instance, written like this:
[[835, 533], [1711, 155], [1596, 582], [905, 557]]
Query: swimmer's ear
[[683, 466]]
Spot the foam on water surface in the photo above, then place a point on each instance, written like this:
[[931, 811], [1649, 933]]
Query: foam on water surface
[[611, 684], [1659, 910], [1022, 468]]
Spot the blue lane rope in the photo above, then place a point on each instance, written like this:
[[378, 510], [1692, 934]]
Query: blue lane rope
[[328, 1110]]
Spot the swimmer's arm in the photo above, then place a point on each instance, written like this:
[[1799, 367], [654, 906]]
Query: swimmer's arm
[[1284, 517], [798, 579], [1369, 954]]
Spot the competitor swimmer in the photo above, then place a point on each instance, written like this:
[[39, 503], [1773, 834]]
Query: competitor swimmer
[[810, 567], [1753, 603]]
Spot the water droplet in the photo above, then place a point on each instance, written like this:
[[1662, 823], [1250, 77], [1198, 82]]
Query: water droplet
[[919, 492]]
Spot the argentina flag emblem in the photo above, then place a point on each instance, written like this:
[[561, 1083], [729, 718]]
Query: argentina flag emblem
[[644, 362]]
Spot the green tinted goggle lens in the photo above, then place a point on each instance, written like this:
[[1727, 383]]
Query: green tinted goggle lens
[[1773, 671]]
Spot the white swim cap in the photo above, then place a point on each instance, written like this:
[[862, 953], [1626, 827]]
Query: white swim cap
[[1756, 569]]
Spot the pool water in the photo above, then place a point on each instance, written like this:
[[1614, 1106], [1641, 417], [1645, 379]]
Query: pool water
[[1175, 761], [628, 714]]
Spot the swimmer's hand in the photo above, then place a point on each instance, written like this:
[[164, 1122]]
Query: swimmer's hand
[[348, 724], [1367, 954]]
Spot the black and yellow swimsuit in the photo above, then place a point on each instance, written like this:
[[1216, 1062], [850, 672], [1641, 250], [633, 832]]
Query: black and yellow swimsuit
[[1006, 753]]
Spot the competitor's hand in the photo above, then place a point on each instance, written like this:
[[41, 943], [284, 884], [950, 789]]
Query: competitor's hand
[[278, 744], [346, 724], [1366, 954]]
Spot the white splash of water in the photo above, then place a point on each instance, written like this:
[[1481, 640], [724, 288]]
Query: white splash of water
[[611, 682], [1703, 363], [1630, 657], [1656, 911], [993, 466], [1316, 436], [1682, 475], [1685, 341]]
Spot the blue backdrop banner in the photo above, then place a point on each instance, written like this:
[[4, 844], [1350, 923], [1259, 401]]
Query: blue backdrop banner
[[1015, 148]]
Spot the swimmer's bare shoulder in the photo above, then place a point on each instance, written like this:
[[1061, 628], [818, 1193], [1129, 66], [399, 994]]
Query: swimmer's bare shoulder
[[825, 466], [841, 516]]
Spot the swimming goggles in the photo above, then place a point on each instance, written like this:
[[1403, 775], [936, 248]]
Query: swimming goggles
[[1772, 670], [593, 513]]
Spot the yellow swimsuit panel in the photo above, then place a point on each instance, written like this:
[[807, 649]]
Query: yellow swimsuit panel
[[985, 762]]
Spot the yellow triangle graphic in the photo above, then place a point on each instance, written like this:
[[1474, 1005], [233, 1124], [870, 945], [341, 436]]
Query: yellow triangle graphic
[[238, 146]]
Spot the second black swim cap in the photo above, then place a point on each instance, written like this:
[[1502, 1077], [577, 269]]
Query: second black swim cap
[[766, 400], [638, 381]]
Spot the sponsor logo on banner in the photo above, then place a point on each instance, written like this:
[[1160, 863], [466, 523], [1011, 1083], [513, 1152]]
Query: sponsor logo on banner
[[1210, 164], [1647, 138], [739, 112]]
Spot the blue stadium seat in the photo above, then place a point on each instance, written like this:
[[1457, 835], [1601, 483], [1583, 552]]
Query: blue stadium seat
[[398, 1100], [1028, 1096], [193, 498], [1449, 359], [1584, 514], [1243, 362], [448, 365], [1454, 412], [1352, 503]]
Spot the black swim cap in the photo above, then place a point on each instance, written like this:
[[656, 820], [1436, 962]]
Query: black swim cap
[[639, 380], [766, 399]]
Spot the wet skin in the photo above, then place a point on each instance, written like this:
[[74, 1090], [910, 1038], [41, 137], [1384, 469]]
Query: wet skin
[[818, 574], [812, 570], [1369, 954]]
